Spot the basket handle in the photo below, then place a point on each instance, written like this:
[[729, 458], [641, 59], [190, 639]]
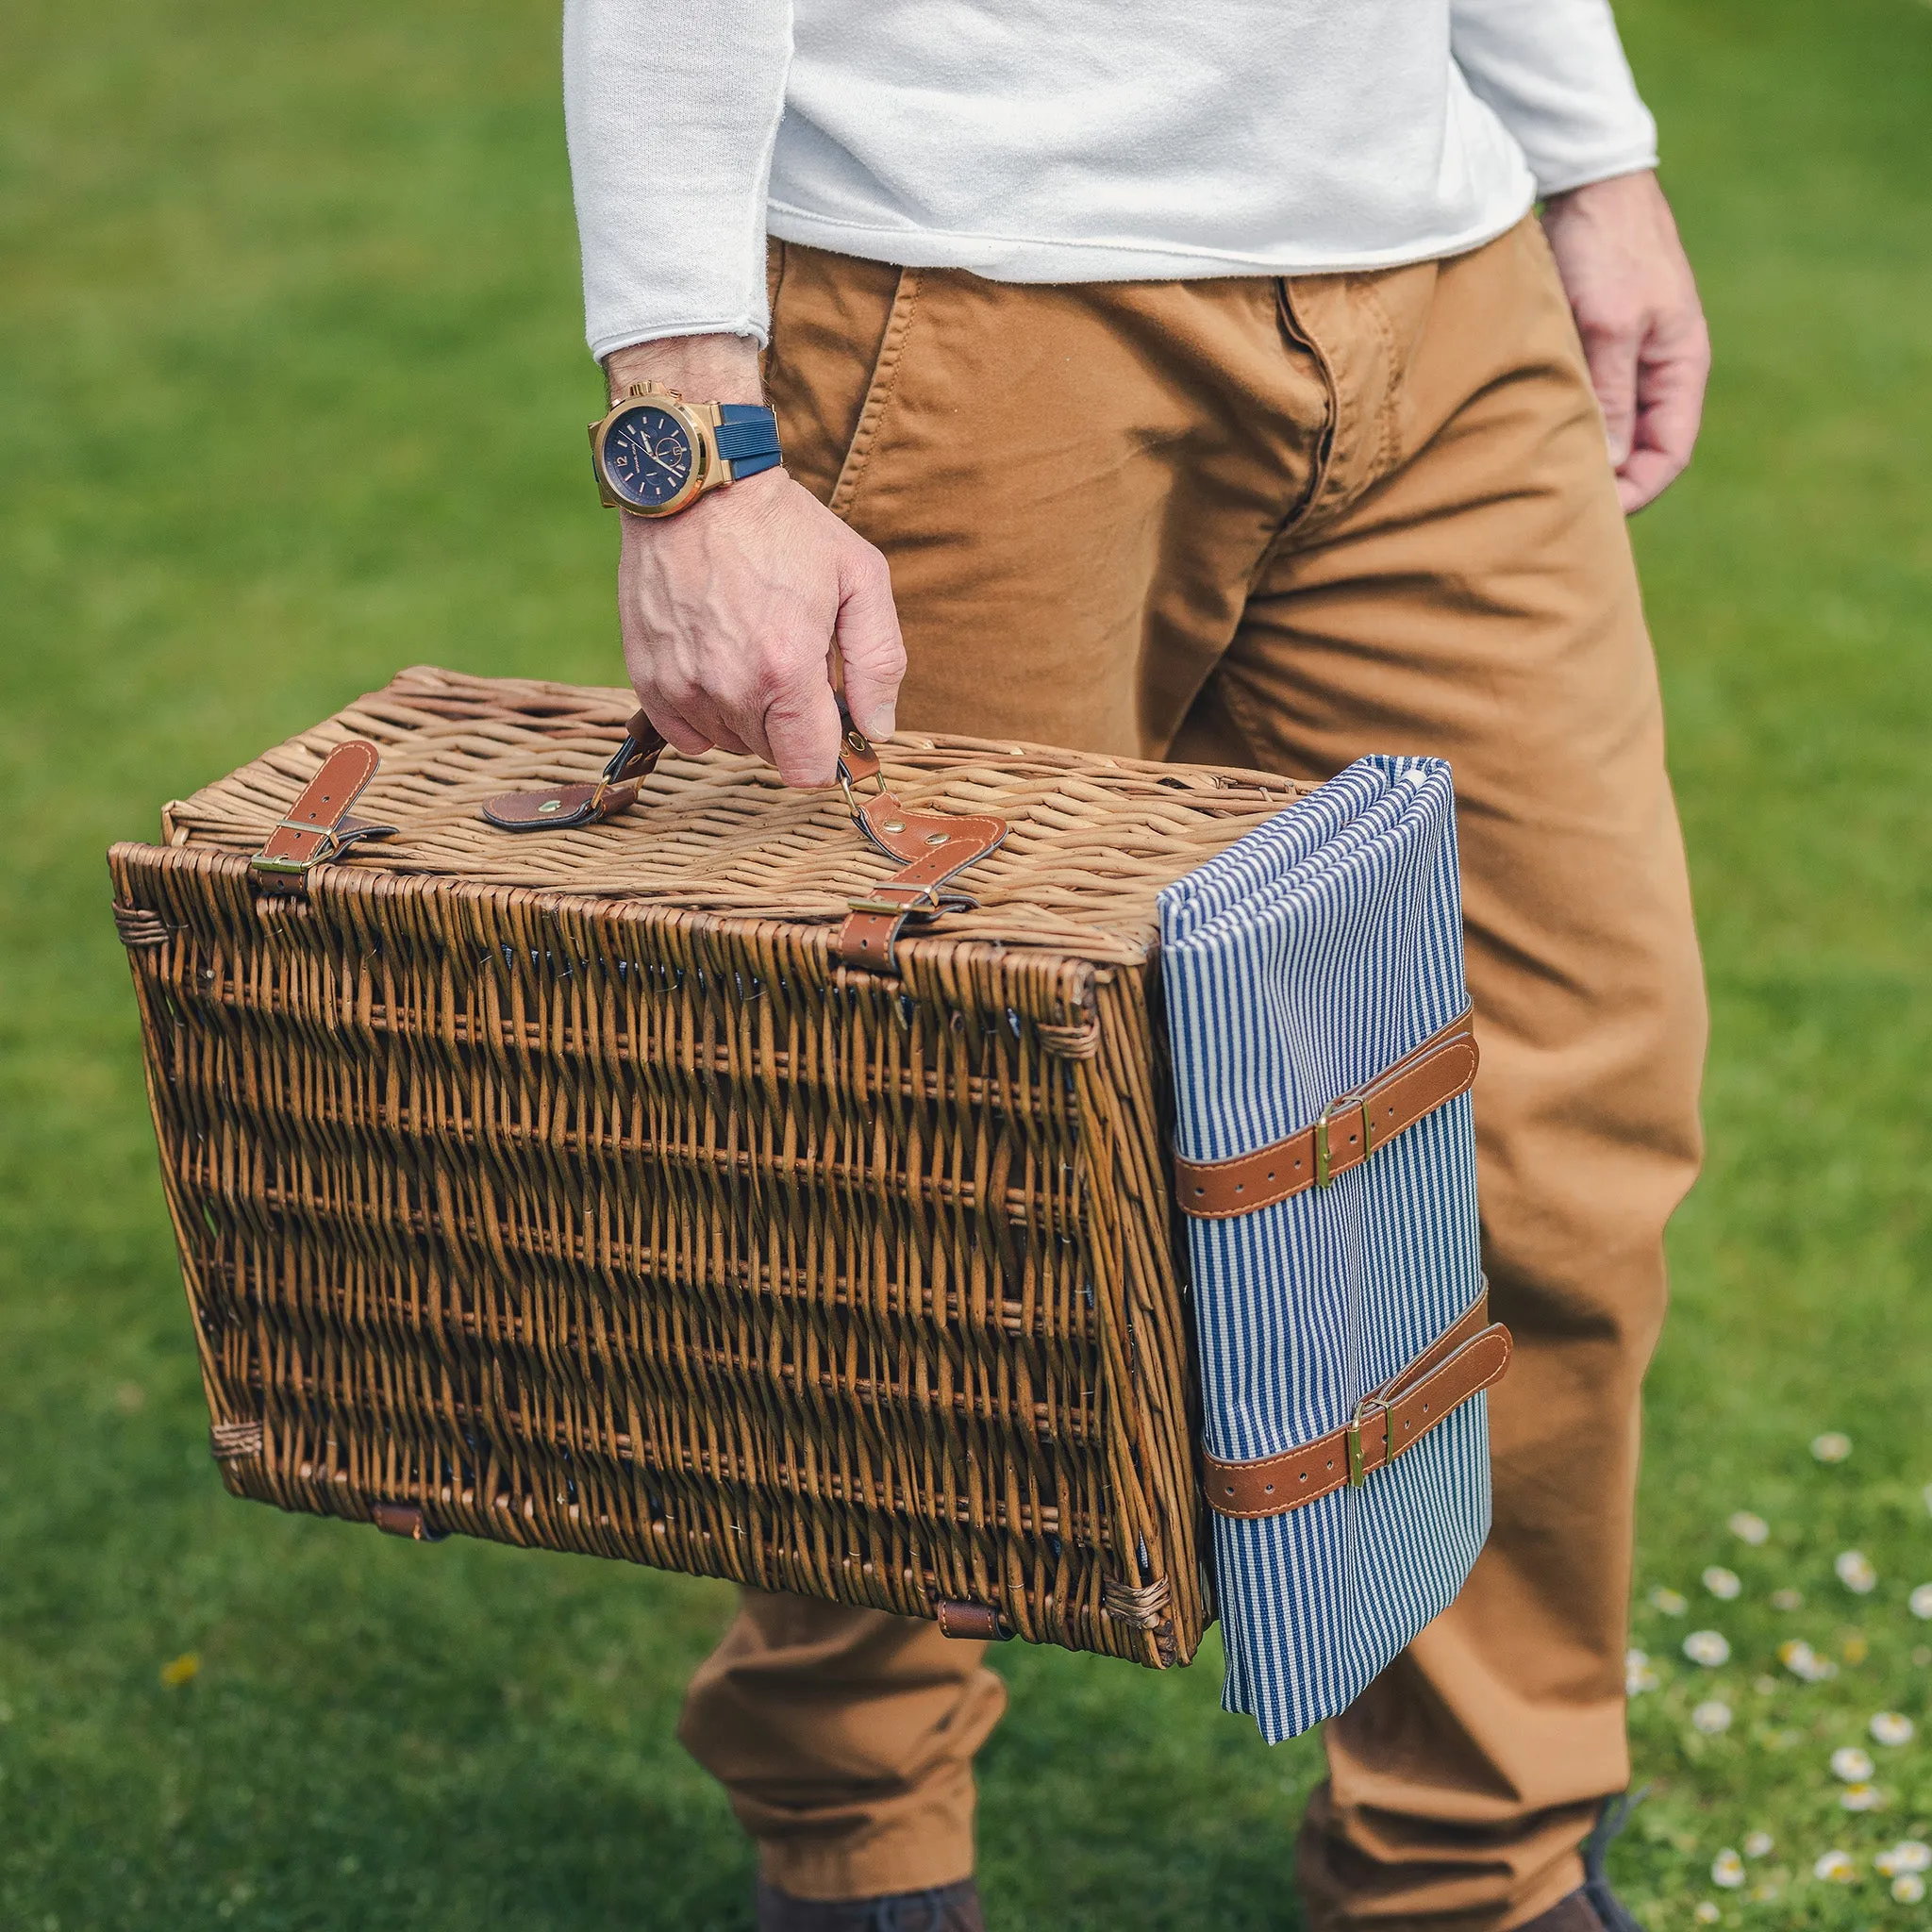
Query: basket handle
[[932, 848]]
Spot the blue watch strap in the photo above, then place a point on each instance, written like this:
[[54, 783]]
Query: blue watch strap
[[748, 438]]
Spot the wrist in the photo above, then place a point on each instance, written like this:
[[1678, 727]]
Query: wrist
[[702, 369], [1639, 185]]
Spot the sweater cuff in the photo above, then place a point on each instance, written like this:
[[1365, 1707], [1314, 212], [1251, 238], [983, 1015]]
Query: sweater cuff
[[629, 337]]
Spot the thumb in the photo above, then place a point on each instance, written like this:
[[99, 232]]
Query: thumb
[[868, 639]]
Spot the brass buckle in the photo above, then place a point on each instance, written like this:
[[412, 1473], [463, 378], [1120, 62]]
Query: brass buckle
[[1335, 1110], [1358, 1475], [331, 844], [924, 899]]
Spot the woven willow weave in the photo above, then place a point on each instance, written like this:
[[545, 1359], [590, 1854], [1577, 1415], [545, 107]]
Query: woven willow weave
[[562, 1188]]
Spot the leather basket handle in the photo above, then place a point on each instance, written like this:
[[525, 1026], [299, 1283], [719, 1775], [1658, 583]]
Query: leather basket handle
[[930, 848]]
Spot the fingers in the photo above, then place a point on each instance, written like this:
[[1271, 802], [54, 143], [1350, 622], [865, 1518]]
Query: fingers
[[800, 730], [869, 642], [1611, 348], [1671, 379], [680, 734]]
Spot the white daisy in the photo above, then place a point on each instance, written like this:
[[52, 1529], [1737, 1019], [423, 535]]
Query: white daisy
[[1727, 1869], [1836, 1867], [1668, 1601], [1856, 1573], [1709, 1648], [1803, 1661], [1908, 1887], [1721, 1582], [1706, 1913], [1765, 1687], [1892, 1728], [1920, 1601], [1851, 1764], [1749, 1527], [1908, 1854], [1833, 1446], [1793, 1600], [1637, 1675], [1713, 1717], [1758, 1844], [1863, 1797]]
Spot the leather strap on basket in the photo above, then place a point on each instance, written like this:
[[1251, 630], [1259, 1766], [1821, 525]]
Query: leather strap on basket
[[562, 806], [930, 847], [1349, 1130], [318, 826], [1467, 1356]]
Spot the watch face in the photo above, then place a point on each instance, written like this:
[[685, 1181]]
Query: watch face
[[647, 455]]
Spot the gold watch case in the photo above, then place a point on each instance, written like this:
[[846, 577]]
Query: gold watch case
[[699, 421]]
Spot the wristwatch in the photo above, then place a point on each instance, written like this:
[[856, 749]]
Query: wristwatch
[[655, 454]]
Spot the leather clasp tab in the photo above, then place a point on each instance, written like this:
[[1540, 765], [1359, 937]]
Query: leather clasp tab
[[405, 1519], [318, 827], [564, 805], [979, 1621]]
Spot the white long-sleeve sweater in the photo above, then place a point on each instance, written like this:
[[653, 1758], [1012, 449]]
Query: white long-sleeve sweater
[[1047, 141]]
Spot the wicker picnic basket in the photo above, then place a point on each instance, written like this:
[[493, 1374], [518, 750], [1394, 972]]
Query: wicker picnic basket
[[568, 1191], [613, 1152]]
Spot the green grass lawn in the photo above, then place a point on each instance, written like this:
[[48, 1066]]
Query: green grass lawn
[[290, 375]]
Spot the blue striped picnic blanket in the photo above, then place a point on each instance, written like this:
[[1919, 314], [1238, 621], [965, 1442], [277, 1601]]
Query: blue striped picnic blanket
[[1300, 963]]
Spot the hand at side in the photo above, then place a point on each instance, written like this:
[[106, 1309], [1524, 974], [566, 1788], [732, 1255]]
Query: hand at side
[[1644, 332]]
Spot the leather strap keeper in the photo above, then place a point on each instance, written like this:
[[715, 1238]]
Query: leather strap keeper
[[318, 824], [405, 1520], [1467, 1356], [1349, 1130], [978, 1621], [563, 806]]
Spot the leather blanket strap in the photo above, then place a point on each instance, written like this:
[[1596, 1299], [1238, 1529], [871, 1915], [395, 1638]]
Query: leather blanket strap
[[562, 806], [317, 826], [1467, 1356], [931, 848], [1349, 1130]]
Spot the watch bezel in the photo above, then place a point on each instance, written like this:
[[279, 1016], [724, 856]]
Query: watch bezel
[[696, 431]]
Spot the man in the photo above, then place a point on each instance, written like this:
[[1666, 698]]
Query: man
[[1190, 378]]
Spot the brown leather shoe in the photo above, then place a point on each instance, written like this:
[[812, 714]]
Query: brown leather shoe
[[947, 1909], [1593, 1907], [1586, 1909]]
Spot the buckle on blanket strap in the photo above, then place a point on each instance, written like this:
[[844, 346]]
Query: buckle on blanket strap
[[1470, 1355], [1430, 1076], [1357, 1470], [1336, 1109]]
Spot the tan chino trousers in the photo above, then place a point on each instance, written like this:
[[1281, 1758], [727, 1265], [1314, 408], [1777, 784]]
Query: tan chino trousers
[[1281, 524]]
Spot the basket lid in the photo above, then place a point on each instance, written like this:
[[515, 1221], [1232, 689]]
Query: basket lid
[[1093, 839]]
